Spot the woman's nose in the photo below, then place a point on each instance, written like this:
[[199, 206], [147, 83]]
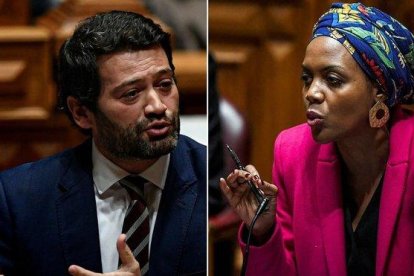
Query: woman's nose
[[314, 94]]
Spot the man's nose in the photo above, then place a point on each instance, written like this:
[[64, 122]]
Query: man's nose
[[154, 104]]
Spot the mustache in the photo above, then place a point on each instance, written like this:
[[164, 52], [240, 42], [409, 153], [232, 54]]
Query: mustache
[[152, 118], [142, 124], [137, 128]]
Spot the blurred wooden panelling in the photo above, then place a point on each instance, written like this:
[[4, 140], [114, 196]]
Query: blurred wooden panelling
[[26, 73], [14, 12], [30, 126], [28, 140], [256, 48], [191, 74]]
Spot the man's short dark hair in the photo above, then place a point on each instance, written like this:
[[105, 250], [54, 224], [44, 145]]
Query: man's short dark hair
[[104, 33]]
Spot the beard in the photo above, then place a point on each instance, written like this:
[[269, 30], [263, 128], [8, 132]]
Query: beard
[[130, 143]]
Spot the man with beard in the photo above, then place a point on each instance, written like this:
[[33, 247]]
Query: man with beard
[[65, 214]]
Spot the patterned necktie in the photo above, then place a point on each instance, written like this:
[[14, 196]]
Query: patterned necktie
[[136, 222]]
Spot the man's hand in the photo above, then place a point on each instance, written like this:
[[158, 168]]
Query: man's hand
[[129, 267]]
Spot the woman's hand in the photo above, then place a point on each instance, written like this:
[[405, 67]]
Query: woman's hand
[[243, 201]]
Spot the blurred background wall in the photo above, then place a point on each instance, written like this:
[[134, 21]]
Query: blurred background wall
[[31, 33], [258, 47]]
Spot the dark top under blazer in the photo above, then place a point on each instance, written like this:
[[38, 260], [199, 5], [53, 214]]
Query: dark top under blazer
[[48, 218]]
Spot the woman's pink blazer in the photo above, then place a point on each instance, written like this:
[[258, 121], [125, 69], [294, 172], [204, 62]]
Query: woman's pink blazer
[[309, 236]]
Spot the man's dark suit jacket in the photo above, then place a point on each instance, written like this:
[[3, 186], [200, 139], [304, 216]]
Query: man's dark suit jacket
[[48, 217]]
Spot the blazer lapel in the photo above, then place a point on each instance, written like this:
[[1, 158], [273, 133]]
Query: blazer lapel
[[174, 214], [393, 188], [329, 201], [76, 212]]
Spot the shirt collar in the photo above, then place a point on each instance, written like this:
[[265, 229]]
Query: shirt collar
[[106, 173]]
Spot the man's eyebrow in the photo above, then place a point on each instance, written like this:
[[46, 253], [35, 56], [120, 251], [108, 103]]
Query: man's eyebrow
[[164, 71], [132, 81], [127, 83]]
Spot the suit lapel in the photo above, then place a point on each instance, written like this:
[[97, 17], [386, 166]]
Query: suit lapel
[[174, 215], [393, 188], [329, 201], [76, 212]]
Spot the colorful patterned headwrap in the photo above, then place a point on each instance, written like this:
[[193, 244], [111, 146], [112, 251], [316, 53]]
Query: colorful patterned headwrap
[[382, 46]]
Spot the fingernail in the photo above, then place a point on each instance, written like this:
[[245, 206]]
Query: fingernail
[[247, 175], [256, 176]]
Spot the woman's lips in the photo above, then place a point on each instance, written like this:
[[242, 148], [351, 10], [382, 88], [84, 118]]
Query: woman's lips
[[314, 118]]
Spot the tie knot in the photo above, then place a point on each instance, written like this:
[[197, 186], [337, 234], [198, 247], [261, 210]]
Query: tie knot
[[134, 184]]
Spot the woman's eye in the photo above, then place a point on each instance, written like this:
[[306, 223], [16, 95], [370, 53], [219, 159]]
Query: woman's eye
[[334, 81], [306, 79]]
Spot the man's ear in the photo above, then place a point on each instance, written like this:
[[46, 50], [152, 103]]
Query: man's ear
[[82, 116]]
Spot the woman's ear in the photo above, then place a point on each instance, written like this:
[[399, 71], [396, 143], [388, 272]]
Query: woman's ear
[[379, 113], [82, 116], [380, 96], [378, 93]]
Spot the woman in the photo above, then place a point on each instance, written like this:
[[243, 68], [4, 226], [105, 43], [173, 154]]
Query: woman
[[343, 199]]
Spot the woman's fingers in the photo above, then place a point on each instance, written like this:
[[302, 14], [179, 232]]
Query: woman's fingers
[[237, 177], [225, 189], [269, 189], [252, 170], [244, 202], [234, 184], [231, 188]]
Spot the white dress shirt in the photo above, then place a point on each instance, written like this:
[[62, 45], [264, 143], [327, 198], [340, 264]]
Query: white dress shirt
[[112, 201]]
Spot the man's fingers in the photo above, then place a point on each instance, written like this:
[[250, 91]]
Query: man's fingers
[[129, 263], [124, 251], [75, 270]]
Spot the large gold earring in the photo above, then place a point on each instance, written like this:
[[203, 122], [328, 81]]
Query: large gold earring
[[379, 114]]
